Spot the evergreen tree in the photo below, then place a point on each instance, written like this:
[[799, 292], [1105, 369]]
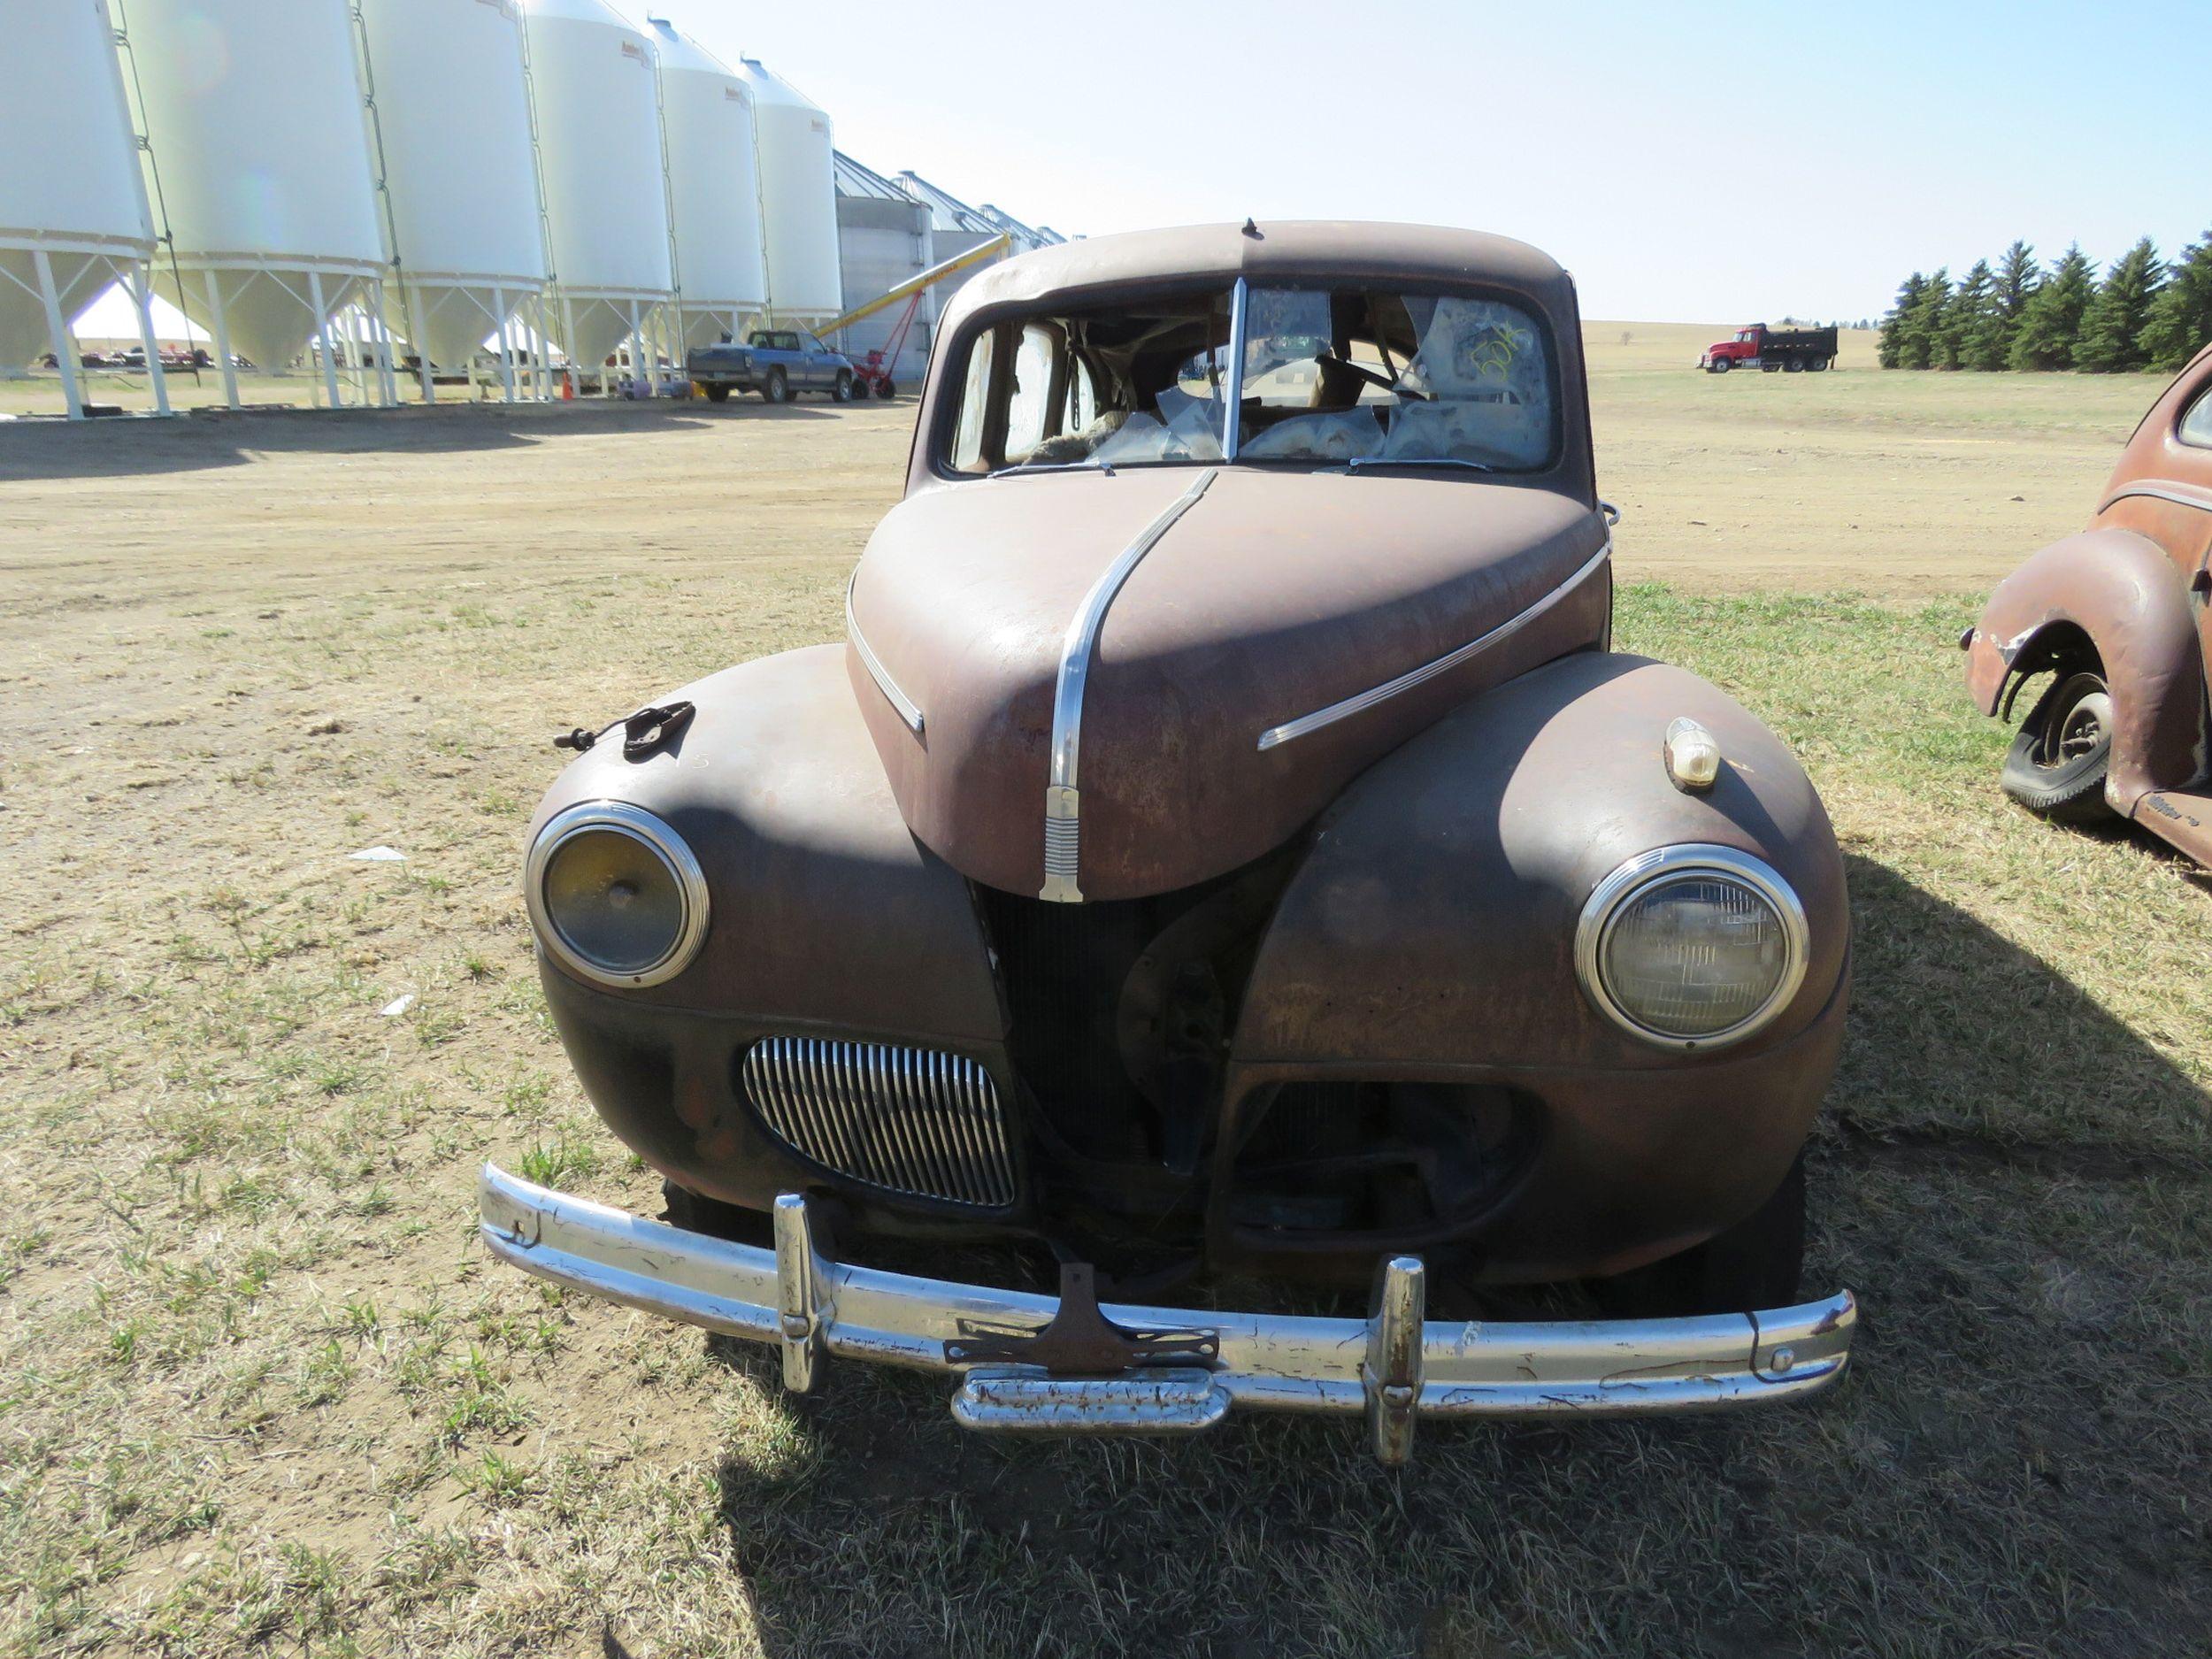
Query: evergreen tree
[[2180, 323], [1973, 308], [1889, 350], [1920, 329], [2018, 277], [2050, 322], [2112, 328]]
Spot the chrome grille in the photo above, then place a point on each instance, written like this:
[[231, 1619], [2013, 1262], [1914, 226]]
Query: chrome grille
[[913, 1121]]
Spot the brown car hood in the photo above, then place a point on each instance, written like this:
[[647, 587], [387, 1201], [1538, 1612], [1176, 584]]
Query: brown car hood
[[1275, 595]]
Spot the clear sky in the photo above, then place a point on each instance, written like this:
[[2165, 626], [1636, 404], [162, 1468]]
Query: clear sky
[[1688, 162], [1705, 162]]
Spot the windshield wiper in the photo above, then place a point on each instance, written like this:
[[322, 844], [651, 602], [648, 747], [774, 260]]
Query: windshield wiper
[[1358, 461], [1106, 467]]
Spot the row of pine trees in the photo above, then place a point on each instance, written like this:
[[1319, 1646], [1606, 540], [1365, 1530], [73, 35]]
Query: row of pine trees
[[2145, 314]]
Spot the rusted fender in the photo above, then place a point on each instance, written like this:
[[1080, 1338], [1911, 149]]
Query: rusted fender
[[826, 909], [1434, 920], [2122, 591]]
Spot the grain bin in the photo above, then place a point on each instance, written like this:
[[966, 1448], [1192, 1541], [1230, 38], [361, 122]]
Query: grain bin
[[73, 211], [713, 188], [798, 197], [253, 117], [594, 92], [452, 133]]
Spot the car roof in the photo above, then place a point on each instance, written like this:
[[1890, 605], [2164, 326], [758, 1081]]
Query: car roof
[[1333, 248]]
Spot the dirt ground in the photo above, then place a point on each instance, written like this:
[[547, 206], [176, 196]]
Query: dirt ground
[[1883, 483], [260, 1393]]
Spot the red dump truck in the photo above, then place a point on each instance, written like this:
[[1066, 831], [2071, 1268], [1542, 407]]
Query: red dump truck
[[1759, 347]]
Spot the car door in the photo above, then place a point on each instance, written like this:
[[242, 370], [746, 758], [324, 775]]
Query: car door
[[817, 357]]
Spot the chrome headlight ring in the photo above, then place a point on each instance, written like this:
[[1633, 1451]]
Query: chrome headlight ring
[[1665, 866], [634, 822]]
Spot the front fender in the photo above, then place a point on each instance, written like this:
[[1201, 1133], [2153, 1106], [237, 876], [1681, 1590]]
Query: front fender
[[824, 909], [1434, 920], [2120, 591]]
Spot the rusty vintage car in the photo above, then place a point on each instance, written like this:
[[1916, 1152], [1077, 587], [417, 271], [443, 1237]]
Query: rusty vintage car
[[1225, 848], [2118, 618]]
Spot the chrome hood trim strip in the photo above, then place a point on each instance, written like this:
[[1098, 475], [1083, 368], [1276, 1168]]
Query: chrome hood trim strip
[[1062, 797], [1276, 735], [907, 709], [2153, 493]]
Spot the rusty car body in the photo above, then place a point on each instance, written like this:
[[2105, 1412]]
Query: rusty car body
[[2118, 617], [1224, 844]]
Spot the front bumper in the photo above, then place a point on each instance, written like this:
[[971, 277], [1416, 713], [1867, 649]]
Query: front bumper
[[1393, 1367]]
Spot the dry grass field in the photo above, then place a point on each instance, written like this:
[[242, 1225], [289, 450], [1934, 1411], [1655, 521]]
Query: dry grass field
[[260, 1393]]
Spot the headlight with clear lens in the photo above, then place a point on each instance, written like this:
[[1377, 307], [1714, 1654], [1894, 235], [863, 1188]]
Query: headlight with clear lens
[[1691, 947], [614, 894]]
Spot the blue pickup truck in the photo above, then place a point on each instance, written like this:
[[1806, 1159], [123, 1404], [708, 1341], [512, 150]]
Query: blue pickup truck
[[777, 363]]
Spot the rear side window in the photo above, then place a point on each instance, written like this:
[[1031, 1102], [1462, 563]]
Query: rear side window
[[2196, 425]]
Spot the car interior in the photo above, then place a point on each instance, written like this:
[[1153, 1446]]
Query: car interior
[[1342, 376]]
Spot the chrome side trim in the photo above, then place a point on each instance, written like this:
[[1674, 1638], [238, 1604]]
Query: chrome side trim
[[663, 842], [904, 706], [1670, 863], [1276, 735], [2155, 493], [917, 1122], [1062, 798], [1411, 1369]]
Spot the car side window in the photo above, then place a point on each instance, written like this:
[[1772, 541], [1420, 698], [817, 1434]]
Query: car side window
[[2196, 422], [1029, 401], [967, 437]]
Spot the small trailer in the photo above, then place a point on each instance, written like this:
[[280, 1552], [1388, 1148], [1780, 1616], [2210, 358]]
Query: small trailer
[[1759, 347]]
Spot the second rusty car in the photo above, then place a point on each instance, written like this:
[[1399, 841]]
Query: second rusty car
[[1224, 850], [2117, 617]]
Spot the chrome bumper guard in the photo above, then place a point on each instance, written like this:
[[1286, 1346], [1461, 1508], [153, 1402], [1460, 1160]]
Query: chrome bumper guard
[[1393, 1367]]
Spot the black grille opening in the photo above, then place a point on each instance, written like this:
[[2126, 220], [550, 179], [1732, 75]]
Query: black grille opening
[[1387, 1159], [1122, 1012]]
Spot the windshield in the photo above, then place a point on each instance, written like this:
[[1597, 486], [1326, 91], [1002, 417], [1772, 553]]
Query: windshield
[[1335, 375]]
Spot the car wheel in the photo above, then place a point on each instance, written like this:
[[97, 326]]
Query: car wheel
[[1721, 365], [1820, 364], [776, 388], [842, 392], [860, 388], [1791, 365], [886, 388], [1753, 1265], [717, 394], [2057, 764]]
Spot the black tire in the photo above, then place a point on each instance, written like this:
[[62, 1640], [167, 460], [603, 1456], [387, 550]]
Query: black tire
[[717, 394], [1821, 365], [1770, 368], [1793, 365], [886, 388], [776, 388], [861, 389], [2057, 764], [1721, 365], [1756, 1264], [842, 392]]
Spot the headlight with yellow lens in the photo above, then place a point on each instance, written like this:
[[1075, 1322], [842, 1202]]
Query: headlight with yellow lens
[[1691, 947], [614, 894]]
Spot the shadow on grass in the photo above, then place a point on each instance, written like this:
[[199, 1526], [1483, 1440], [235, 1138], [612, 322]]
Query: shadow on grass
[[211, 438], [2020, 1462]]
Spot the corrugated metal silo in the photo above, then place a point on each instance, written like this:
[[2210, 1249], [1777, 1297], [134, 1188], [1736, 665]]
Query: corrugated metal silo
[[798, 197], [713, 188], [452, 132], [253, 115], [595, 95], [72, 210], [885, 236]]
